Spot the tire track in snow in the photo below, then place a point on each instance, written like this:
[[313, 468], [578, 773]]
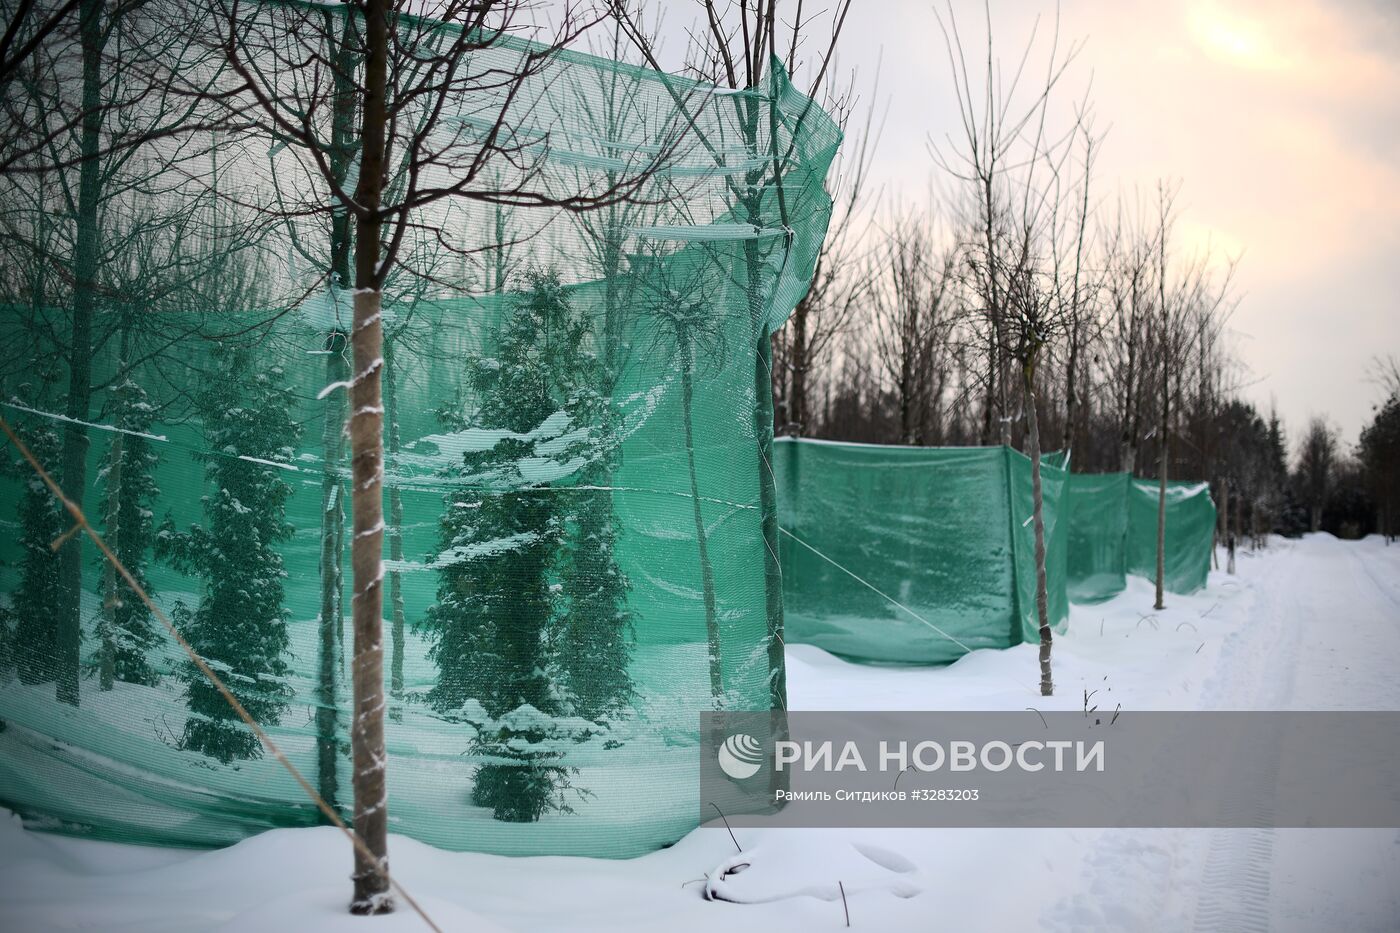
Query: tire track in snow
[[1256, 671], [1147, 879]]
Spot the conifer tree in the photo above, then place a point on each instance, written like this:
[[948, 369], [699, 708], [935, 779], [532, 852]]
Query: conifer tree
[[494, 624], [125, 627], [240, 624], [35, 636]]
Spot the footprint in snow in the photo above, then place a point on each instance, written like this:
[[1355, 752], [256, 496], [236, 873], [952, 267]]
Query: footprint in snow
[[787, 866]]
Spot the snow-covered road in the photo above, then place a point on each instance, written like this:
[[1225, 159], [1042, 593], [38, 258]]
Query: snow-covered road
[[1313, 624]]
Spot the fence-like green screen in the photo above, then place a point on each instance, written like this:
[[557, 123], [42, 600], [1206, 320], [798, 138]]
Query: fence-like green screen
[[913, 554], [918, 555]]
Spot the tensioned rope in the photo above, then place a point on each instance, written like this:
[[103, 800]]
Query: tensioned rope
[[864, 582], [843, 568], [81, 523]]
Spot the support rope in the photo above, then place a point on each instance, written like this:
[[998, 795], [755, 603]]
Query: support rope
[[81, 523]]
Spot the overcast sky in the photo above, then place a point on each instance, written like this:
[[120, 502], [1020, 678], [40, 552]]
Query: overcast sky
[[1279, 120]]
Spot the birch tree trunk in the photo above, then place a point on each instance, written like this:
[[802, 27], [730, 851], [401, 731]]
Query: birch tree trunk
[[367, 478]]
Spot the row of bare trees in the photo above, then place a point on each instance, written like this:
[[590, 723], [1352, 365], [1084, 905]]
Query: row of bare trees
[[1023, 307]]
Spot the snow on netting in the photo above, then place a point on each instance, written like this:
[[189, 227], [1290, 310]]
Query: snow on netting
[[577, 555], [917, 554], [1191, 520]]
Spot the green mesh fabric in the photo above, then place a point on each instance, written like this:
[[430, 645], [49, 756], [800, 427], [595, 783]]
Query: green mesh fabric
[[577, 559], [1190, 533], [944, 532], [1113, 532], [916, 555], [1097, 559]]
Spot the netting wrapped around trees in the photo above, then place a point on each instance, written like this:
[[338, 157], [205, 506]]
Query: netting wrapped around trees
[[577, 557]]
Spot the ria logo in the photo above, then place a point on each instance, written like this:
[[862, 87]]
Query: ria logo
[[740, 756]]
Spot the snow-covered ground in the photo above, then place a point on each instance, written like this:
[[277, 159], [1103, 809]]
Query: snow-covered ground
[[1313, 624]]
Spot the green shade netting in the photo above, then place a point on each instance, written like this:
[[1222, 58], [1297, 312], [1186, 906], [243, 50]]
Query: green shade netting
[[1113, 532], [940, 539], [1190, 534], [561, 447], [1096, 559]]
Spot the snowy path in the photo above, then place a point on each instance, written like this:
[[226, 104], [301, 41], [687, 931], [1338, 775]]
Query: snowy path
[[1320, 630], [1305, 625]]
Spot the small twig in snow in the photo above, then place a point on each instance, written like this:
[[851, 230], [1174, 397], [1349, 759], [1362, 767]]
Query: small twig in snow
[[844, 905], [726, 825]]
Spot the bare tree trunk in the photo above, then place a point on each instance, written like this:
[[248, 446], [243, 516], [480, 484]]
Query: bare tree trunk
[[1071, 389], [763, 426], [768, 501], [367, 475], [1005, 409], [707, 577], [797, 395], [1042, 587], [107, 662], [1162, 498], [332, 522], [331, 646], [75, 436], [1224, 526], [391, 414]]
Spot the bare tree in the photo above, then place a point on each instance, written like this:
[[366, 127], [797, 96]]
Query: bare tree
[[841, 282], [912, 317], [1001, 145], [410, 71], [86, 127], [1080, 298], [733, 48], [1187, 302]]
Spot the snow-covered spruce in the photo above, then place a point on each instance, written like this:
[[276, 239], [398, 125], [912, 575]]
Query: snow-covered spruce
[[125, 628], [506, 635], [30, 630], [240, 623]]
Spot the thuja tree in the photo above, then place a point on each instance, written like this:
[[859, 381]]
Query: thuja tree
[[35, 637], [240, 623], [497, 604], [125, 627]]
